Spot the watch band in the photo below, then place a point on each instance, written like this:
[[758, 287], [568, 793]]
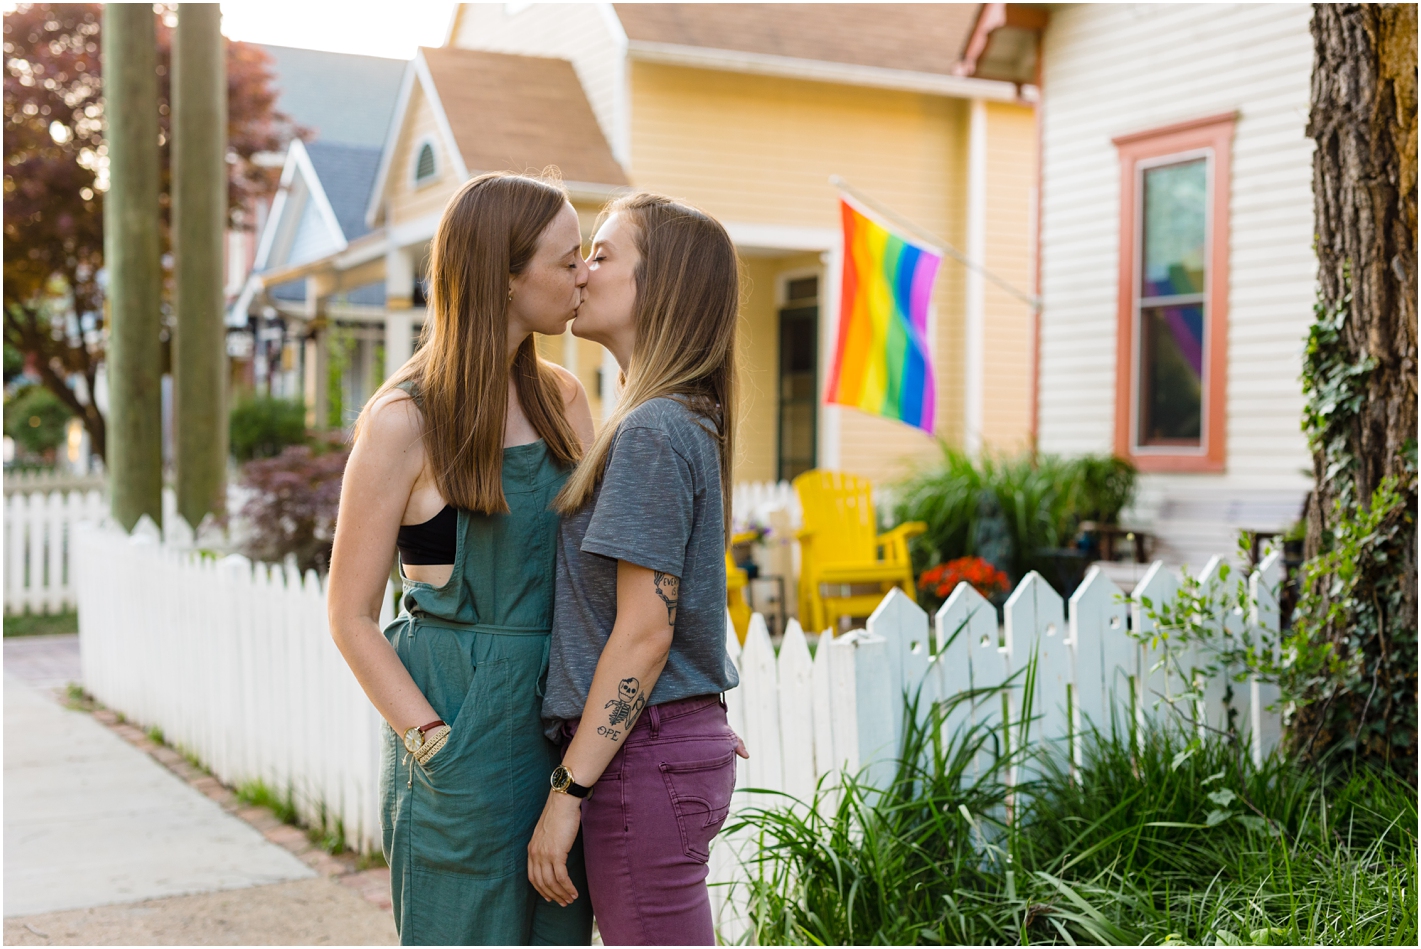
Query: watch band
[[424, 729]]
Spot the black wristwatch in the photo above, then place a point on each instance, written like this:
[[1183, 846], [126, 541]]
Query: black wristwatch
[[563, 783]]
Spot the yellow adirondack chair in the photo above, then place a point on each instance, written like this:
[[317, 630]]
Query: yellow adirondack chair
[[736, 580], [840, 548]]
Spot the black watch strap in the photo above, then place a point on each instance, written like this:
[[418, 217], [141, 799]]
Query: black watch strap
[[577, 790]]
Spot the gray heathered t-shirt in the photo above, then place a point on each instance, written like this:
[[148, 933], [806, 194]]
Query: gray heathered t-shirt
[[658, 506]]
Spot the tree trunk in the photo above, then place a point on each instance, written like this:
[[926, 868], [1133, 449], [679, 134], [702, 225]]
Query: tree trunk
[[199, 184], [135, 450], [1361, 379]]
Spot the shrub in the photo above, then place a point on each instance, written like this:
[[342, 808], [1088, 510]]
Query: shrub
[[261, 427], [1016, 513], [35, 419], [293, 507]]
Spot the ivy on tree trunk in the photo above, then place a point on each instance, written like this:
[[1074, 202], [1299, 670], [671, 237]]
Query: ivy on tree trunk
[[1359, 595]]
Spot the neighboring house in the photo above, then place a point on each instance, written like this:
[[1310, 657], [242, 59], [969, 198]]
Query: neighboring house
[[344, 104], [746, 111], [1177, 271]]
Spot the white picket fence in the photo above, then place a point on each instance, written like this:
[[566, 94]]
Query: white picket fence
[[843, 710], [39, 540], [235, 663]]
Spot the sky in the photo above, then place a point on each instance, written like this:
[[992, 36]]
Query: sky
[[387, 29]]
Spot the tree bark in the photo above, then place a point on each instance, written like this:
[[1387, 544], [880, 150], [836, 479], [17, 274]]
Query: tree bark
[[135, 450], [1363, 120], [199, 186]]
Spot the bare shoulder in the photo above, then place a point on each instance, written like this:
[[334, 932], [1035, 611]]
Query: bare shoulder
[[570, 385], [393, 423]]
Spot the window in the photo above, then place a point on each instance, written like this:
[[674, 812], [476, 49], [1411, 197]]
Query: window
[[1173, 296], [424, 169]]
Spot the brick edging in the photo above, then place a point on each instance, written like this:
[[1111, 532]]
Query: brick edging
[[373, 885]]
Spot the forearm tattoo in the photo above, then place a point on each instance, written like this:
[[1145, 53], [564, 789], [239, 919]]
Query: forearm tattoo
[[624, 709], [669, 589]]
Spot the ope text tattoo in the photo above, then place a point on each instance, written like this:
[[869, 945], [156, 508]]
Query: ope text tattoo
[[623, 709], [669, 589]]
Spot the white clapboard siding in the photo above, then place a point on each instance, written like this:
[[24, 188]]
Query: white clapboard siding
[[1114, 69]]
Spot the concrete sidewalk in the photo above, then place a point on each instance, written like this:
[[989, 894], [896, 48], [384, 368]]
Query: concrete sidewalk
[[91, 821]]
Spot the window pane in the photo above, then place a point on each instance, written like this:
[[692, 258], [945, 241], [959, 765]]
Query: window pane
[[1171, 374], [1174, 219]]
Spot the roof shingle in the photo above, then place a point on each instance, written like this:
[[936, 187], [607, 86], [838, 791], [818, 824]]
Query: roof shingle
[[520, 113]]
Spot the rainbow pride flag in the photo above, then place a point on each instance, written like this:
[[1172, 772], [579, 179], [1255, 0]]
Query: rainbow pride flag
[[882, 365]]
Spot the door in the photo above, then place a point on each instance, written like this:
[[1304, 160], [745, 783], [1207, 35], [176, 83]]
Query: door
[[799, 378]]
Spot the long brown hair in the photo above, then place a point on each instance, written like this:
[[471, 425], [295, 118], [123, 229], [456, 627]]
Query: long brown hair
[[686, 311], [459, 376]]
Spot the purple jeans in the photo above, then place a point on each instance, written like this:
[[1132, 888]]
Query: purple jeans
[[647, 827]]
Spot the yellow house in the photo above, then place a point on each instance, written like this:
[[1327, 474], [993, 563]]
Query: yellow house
[[746, 110]]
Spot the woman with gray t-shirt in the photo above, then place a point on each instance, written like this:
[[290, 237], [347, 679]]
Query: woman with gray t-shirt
[[638, 659]]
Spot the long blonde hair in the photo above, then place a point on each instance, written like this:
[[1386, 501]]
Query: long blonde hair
[[459, 376], [686, 312]]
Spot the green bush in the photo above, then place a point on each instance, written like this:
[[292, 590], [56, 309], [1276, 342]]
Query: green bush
[[261, 427], [1177, 840], [1012, 512], [35, 419]]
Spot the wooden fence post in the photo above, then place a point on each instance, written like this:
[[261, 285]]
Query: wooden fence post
[[1264, 585], [797, 724], [1156, 588]]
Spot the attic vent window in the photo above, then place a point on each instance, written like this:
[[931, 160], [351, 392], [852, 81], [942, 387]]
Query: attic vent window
[[424, 165]]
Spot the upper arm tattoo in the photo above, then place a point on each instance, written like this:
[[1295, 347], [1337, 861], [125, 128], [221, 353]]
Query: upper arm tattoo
[[669, 589]]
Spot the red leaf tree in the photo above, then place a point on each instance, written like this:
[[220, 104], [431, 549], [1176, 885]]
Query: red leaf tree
[[55, 176]]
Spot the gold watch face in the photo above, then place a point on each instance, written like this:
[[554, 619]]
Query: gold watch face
[[561, 778], [414, 740]]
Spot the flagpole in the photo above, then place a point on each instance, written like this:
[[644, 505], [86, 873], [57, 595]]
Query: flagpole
[[947, 248]]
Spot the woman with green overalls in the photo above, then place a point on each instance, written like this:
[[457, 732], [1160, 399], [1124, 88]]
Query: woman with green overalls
[[455, 462]]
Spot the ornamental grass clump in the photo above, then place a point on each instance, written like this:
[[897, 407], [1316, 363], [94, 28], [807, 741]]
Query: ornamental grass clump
[[1165, 838]]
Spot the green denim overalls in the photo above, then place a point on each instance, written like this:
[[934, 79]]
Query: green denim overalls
[[456, 830]]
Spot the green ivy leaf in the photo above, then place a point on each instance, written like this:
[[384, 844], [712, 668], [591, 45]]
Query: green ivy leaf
[[1223, 798]]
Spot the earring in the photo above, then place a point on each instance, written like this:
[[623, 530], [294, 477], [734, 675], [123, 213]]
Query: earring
[[510, 294]]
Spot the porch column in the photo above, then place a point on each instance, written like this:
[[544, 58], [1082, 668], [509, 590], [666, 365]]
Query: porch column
[[315, 364], [399, 321], [974, 374]]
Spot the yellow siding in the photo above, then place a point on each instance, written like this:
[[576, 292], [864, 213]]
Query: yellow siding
[[760, 150], [406, 202], [1011, 184]]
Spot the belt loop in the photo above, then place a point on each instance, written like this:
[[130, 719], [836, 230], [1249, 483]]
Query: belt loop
[[653, 716]]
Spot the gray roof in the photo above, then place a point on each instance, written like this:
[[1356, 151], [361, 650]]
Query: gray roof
[[338, 96], [347, 173]]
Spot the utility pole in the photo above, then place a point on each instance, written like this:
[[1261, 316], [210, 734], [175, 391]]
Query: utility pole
[[199, 219], [135, 450]]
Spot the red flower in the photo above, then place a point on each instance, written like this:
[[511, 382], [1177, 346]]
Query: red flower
[[941, 580]]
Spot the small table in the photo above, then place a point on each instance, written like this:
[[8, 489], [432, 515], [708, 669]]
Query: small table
[[778, 627]]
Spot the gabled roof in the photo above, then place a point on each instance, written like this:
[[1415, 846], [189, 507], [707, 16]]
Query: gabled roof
[[920, 37], [346, 174], [338, 96], [504, 112]]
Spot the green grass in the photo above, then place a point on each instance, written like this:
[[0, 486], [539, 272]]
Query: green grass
[[1178, 841], [41, 624], [258, 794]]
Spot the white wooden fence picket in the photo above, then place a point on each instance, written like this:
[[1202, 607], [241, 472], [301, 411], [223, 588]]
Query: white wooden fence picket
[[234, 662], [39, 543]]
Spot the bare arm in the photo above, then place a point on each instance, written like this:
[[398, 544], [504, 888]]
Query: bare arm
[[579, 410], [626, 673], [384, 465]]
